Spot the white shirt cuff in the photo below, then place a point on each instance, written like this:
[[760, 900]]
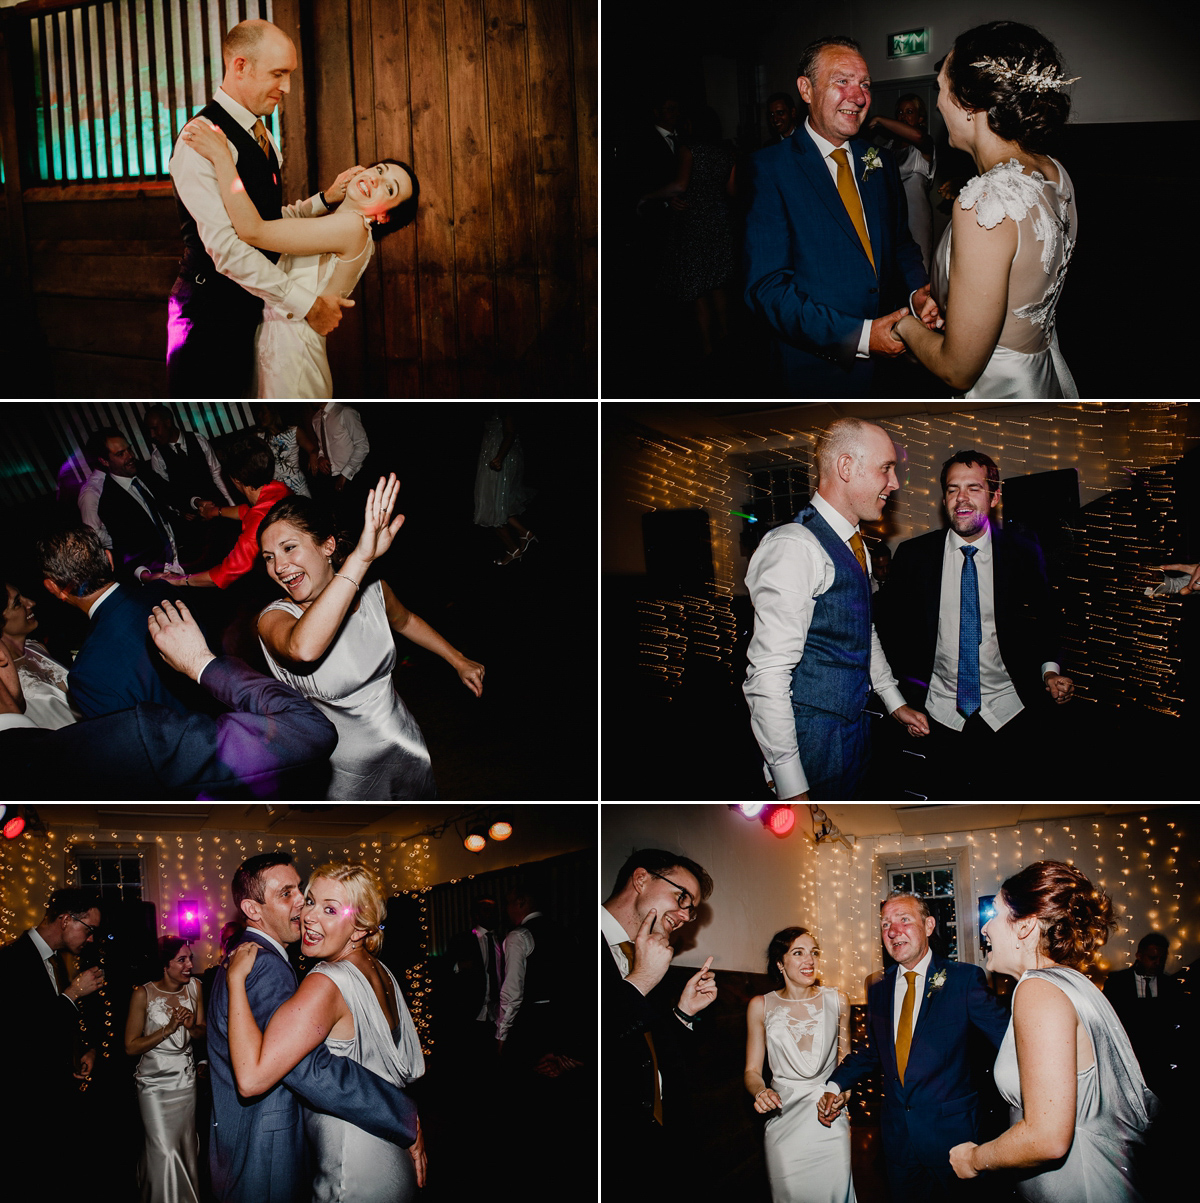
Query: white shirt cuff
[[864, 340]]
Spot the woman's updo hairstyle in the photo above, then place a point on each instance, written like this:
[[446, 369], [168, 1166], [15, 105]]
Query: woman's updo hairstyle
[[1074, 916], [168, 949], [1014, 86], [781, 941], [316, 521]]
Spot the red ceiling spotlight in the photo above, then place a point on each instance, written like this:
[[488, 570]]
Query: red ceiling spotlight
[[14, 827], [779, 820]]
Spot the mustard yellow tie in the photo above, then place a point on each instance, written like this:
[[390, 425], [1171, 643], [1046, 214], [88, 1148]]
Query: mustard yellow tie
[[627, 948], [904, 1031], [260, 136], [856, 546], [849, 195]]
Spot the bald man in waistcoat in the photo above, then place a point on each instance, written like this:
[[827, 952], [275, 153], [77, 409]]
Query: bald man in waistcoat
[[217, 301]]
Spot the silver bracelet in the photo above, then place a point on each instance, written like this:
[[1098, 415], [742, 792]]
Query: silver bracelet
[[347, 578]]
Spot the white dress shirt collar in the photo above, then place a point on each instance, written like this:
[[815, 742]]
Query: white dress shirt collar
[[614, 934], [982, 545], [823, 144], [41, 945], [102, 598], [258, 931], [840, 527], [239, 113], [921, 968]]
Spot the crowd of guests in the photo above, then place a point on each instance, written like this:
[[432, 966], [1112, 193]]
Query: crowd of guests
[[254, 1081], [180, 585], [1074, 1064]]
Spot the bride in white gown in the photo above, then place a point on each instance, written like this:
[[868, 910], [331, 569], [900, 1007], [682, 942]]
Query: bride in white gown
[[803, 1029], [352, 1002], [1000, 266], [329, 252]]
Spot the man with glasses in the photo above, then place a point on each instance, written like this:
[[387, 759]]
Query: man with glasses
[[644, 1038], [39, 1013]]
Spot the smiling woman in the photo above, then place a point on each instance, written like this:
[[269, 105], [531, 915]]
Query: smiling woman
[[43, 680], [328, 255]]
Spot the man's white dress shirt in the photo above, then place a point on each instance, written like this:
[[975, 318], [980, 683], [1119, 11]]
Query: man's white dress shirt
[[341, 438], [998, 695], [900, 988], [195, 180], [158, 461], [89, 505], [787, 573], [517, 947]]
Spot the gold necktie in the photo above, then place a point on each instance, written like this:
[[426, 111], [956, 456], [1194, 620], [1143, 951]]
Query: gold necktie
[[904, 1031], [627, 948], [856, 546], [260, 136], [849, 195]]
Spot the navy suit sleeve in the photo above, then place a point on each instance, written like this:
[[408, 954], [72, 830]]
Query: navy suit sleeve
[[336, 1085], [771, 289], [151, 749], [864, 1061], [986, 1012]]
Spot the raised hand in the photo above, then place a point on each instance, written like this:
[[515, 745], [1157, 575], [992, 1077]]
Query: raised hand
[[1193, 585], [379, 527], [651, 955], [241, 961], [179, 638], [206, 139], [336, 192], [700, 990]]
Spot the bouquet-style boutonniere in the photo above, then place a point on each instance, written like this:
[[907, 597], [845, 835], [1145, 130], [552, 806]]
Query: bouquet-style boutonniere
[[936, 982], [872, 160]]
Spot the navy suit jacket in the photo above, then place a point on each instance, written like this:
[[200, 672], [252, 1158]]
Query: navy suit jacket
[[909, 605], [118, 666], [40, 1054], [256, 1150], [807, 274], [936, 1107], [152, 752]]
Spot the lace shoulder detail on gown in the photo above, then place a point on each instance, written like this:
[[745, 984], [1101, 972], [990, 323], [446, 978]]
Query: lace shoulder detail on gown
[[1004, 191]]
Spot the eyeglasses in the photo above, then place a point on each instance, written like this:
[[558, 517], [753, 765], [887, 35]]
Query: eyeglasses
[[91, 930], [689, 905]]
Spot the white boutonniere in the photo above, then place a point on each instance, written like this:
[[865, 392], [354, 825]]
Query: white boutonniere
[[872, 160], [936, 982]]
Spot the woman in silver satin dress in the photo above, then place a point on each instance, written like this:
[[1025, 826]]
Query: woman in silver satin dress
[[331, 640], [352, 1002], [1079, 1104], [164, 1018]]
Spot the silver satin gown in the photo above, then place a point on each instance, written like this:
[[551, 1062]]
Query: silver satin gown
[[352, 1166], [806, 1162], [166, 1087], [1113, 1106], [381, 753]]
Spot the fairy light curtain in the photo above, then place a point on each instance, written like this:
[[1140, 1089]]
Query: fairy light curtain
[[115, 82], [1125, 647]]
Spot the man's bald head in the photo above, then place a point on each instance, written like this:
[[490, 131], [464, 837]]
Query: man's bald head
[[245, 40], [846, 436], [259, 60], [856, 462]]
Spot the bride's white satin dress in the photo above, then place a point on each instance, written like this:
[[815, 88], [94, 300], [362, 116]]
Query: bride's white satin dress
[[289, 355], [1026, 361], [806, 1162]]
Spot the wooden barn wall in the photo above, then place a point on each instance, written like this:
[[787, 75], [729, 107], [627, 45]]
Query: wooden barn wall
[[493, 291]]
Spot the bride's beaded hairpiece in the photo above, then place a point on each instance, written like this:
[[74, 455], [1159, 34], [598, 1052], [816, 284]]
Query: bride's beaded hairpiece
[[1048, 79]]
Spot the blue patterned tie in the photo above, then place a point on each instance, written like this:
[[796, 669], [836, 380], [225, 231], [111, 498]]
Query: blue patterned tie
[[970, 633]]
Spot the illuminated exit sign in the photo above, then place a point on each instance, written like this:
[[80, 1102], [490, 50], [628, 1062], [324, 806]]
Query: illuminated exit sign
[[911, 41]]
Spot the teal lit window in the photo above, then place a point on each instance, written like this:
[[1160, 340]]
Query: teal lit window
[[115, 82]]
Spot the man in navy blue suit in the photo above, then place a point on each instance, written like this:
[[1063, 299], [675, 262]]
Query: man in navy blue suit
[[116, 667], [830, 264], [256, 1149], [919, 1016]]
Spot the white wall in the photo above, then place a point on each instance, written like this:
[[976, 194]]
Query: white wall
[[1136, 62], [763, 884]]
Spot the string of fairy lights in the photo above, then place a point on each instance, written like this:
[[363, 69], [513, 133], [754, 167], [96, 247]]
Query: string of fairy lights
[[1140, 859], [1124, 648], [200, 867]]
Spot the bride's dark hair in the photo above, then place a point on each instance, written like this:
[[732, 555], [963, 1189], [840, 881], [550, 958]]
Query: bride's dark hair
[[1016, 109], [405, 213], [316, 521]]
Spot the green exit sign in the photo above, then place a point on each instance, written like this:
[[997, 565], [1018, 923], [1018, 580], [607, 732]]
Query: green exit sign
[[911, 41]]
